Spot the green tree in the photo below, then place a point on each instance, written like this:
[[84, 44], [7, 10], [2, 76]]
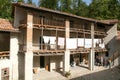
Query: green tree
[[65, 5], [114, 8], [104, 9], [29, 1], [5, 9], [20, 1], [79, 8], [48, 4]]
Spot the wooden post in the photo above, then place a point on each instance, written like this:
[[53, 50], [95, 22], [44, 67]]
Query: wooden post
[[65, 41], [84, 34], [77, 39], [56, 45], [42, 39], [42, 21], [41, 43], [91, 56]]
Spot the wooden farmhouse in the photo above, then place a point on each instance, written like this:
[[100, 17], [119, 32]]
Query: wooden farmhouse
[[46, 39]]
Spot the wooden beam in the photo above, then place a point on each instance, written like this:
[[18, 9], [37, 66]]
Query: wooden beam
[[42, 38], [56, 40], [77, 39]]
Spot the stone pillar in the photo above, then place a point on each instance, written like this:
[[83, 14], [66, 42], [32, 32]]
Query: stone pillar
[[29, 52], [91, 55], [14, 47], [66, 62]]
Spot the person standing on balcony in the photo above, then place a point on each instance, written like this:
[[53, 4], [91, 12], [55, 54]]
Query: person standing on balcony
[[48, 45]]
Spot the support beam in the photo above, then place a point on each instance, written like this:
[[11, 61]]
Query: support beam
[[41, 43], [56, 45], [29, 53], [84, 34], [42, 40], [14, 47], [66, 62], [77, 39], [91, 55]]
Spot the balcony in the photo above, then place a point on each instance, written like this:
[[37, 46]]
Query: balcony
[[43, 49], [54, 24], [4, 54]]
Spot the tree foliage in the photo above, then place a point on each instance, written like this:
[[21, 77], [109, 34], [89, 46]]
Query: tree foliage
[[65, 5], [5, 9], [98, 9], [20, 1], [29, 1], [48, 4], [104, 9], [79, 8]]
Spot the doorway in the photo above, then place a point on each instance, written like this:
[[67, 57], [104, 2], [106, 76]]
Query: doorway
[[42, 62]]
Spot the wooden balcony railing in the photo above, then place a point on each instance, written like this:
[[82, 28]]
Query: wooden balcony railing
[[45, 21], [4, 54], [59, 25], [22, 47], [87, 31]]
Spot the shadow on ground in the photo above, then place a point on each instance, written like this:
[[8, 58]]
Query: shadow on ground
[[109, 74]]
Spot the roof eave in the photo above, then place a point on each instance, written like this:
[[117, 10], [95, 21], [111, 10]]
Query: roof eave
[[63, 13]]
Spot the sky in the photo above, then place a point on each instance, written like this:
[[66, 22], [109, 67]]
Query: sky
[[87, 1]]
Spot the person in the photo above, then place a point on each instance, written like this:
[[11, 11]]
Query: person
[[97, 61], [101, 60], [104, 63], [109, 63], [49, 44]]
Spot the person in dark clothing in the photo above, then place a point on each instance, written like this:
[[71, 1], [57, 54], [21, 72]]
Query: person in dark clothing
[[97, 61]]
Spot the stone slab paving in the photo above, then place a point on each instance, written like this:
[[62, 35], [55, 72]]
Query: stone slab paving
[[46, 75], [81, 73], [100, 73]]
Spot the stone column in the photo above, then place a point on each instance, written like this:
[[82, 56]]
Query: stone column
[[29, 52], [66, 62], [14, 47], [92, 54]]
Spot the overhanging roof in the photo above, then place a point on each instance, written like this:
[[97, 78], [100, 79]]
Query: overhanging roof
[[108, 22], [5, 25]]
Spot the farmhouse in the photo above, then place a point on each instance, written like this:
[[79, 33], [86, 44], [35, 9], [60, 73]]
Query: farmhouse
[[52, 40]]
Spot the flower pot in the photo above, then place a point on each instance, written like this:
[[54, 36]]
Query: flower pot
[[35, 70]]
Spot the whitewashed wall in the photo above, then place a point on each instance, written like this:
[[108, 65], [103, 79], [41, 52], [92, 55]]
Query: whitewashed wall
[[56, 62], [5, 63]]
